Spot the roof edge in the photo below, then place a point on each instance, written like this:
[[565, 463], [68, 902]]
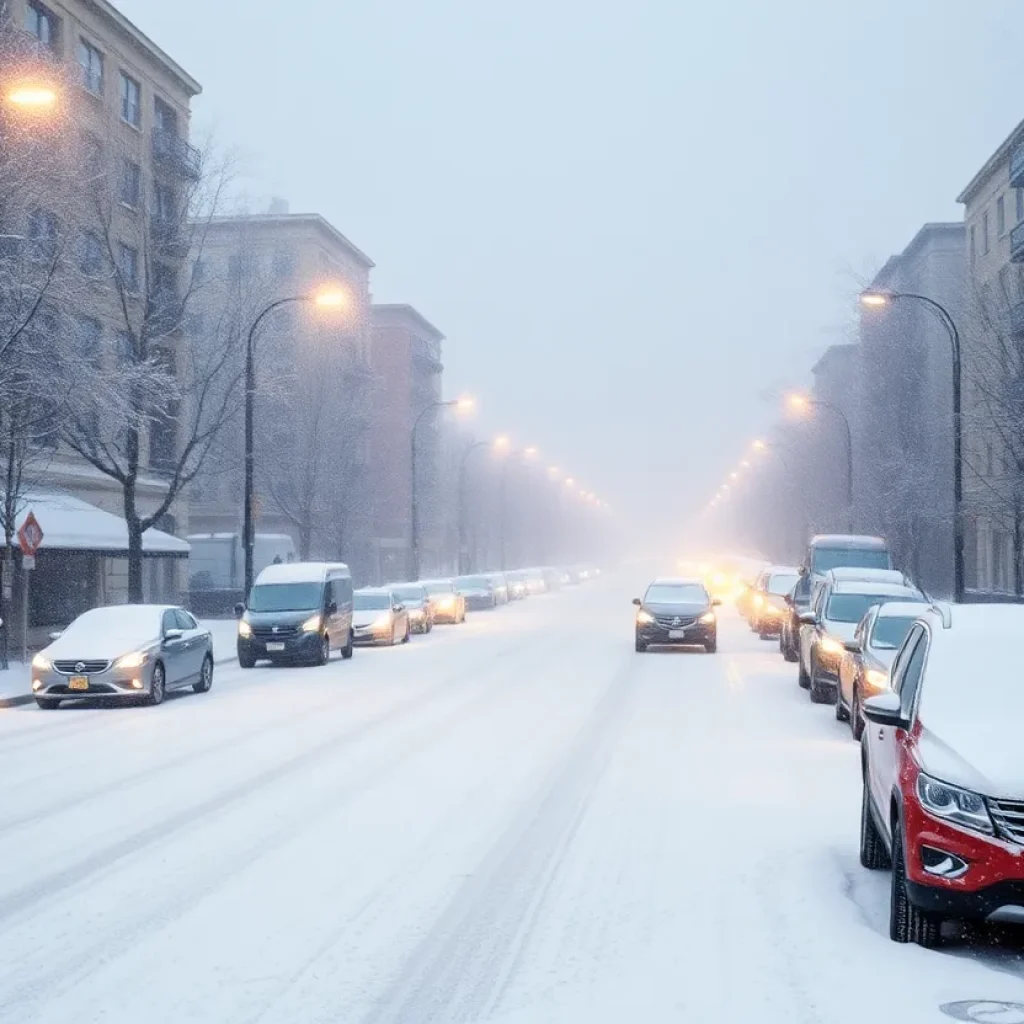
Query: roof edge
[[399, 309]]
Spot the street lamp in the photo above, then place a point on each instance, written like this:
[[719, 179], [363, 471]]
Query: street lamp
[[461, 405], [328, 297], [802, 404], [497, 444], [881, 299], [32, 98]]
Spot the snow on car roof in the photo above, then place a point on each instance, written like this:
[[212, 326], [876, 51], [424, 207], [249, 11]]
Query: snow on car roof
[[848, 572], [903, 609], [299, 572], [848, 540], [677, 581], [872, 587]]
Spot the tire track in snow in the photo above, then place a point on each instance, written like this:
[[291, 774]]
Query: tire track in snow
[[106, 858], [459, 971]]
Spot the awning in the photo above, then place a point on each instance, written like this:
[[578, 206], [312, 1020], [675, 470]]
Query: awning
[[70, 524]]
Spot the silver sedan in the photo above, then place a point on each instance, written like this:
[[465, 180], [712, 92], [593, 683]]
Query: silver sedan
[[125, 652]]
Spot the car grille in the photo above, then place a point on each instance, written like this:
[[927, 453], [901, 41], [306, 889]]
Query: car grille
[[674, 621], [1008, 816], [81, 668], [274, 632]]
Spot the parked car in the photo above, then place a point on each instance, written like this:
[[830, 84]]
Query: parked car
[[769, 607], [124, 652], [676, 611], [798, 601], [864, 670], [417, 604], [517, 588], [446, 603], [554, 579], [535, 581], [477, 592], [379, 618], [838, 606], [500, 586], [297, 613], [835, 551], [943, 777]]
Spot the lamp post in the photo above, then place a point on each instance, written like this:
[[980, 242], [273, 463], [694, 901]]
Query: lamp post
[[326, 298], [802, 403], [878, 299], [498, 444], [463, 404]]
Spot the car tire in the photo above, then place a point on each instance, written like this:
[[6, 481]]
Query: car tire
[[801, 676], [856, 717], [711, 646], [820, 693], [842, 712], [641, 647], [789, 652], [349, 649], [906, 922], [323, 653], [157, 686], [873, 854], [205, 677], [761, 635], [408, 633], [246, 660], [48, 703]]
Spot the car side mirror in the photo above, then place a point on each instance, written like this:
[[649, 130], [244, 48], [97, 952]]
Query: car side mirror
[[808, 619], [332, 608], [399, 607], [56, 634], [803, 571], [637, 601], [173, 635], [853, 646], [239, 610], [885, 709]]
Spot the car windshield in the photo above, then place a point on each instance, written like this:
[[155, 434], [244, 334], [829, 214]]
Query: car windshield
[[849, 558], [851, 607], [371, 602], [285, 597], [782, 582], [474, 582], [676, 593], [890, 631], [410, 595]]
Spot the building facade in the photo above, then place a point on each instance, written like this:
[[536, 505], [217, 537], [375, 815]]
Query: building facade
[[905, 440], [992, 327], [406, 359], [124, 105], [316, 383]]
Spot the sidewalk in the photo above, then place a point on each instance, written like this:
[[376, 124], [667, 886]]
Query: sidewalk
[[16, 682]]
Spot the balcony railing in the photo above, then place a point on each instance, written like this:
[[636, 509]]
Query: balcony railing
[[1017, 167], [170, 149], [1017, 244]]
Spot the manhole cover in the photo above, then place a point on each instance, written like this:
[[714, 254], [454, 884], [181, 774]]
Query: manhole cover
[[985, 1011]]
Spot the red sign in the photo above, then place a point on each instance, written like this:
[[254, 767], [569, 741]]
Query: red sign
[[30, 536]]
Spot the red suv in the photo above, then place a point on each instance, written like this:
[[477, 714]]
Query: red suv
[[943, 770]]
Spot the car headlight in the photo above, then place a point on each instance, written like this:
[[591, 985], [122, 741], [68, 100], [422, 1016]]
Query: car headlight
[[382, 621], [960, 806], [446, 602], [134, 660], [644, 618], [415, 613], [312, 624], [830, 645], [707, 618], [41, 664], [876, 680], [244, 629], [758, 601]]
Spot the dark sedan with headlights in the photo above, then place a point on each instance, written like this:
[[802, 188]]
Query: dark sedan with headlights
[[417, 604], [676, 611], [477, 592]]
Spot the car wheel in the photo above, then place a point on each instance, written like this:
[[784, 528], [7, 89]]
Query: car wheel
[[906, 922], [711, 646], [157, 686], [429, 626], [349, 648], [873, 854], [48, 703], [842, 714], [820, 693], [856, 718], [408, 633], [323, 654], [205, 677], [801, 676], [640, 646]]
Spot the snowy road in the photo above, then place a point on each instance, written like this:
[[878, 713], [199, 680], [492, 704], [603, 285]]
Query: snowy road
[[519, 820]]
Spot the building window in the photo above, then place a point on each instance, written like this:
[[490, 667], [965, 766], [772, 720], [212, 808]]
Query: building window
[[1020, 204], [1000, 216], [984, 233], [972, 247], [128, 267], [131, 183], [88, 338], [42, 230], [283, 263], [90, 60], [43, 24], [131, 100], [92, 253], [166, 117], [164, 204]]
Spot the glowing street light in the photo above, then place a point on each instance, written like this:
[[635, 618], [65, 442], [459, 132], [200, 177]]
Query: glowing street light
[[531, 452], [569, 482], [798, 403], [32, 98], [759, 445], [734, 476], [744, 464], [502, 443], [874, 299]]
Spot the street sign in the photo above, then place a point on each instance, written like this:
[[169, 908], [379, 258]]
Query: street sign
[[28, 562], [30, 536]]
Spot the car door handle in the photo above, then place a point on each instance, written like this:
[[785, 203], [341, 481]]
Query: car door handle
[[881, 734]]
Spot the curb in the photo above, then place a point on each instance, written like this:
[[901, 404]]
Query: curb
[[27, 698]]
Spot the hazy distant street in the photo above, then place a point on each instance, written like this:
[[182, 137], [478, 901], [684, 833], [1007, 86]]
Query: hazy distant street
[[517, 820]]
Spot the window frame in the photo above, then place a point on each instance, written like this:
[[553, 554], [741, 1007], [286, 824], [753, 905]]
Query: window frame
[[43, 15], [126, 84], [86, 48], [1000, 217], [133, 285], [131, 172]]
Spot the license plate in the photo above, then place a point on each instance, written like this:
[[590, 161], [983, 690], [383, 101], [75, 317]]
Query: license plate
[[78, 683], [676, 634], [275, 646]]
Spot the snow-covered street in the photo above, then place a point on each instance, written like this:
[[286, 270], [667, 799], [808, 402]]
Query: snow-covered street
[[516, 820]]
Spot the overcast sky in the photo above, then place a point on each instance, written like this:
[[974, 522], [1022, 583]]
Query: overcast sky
[[629, 219]]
